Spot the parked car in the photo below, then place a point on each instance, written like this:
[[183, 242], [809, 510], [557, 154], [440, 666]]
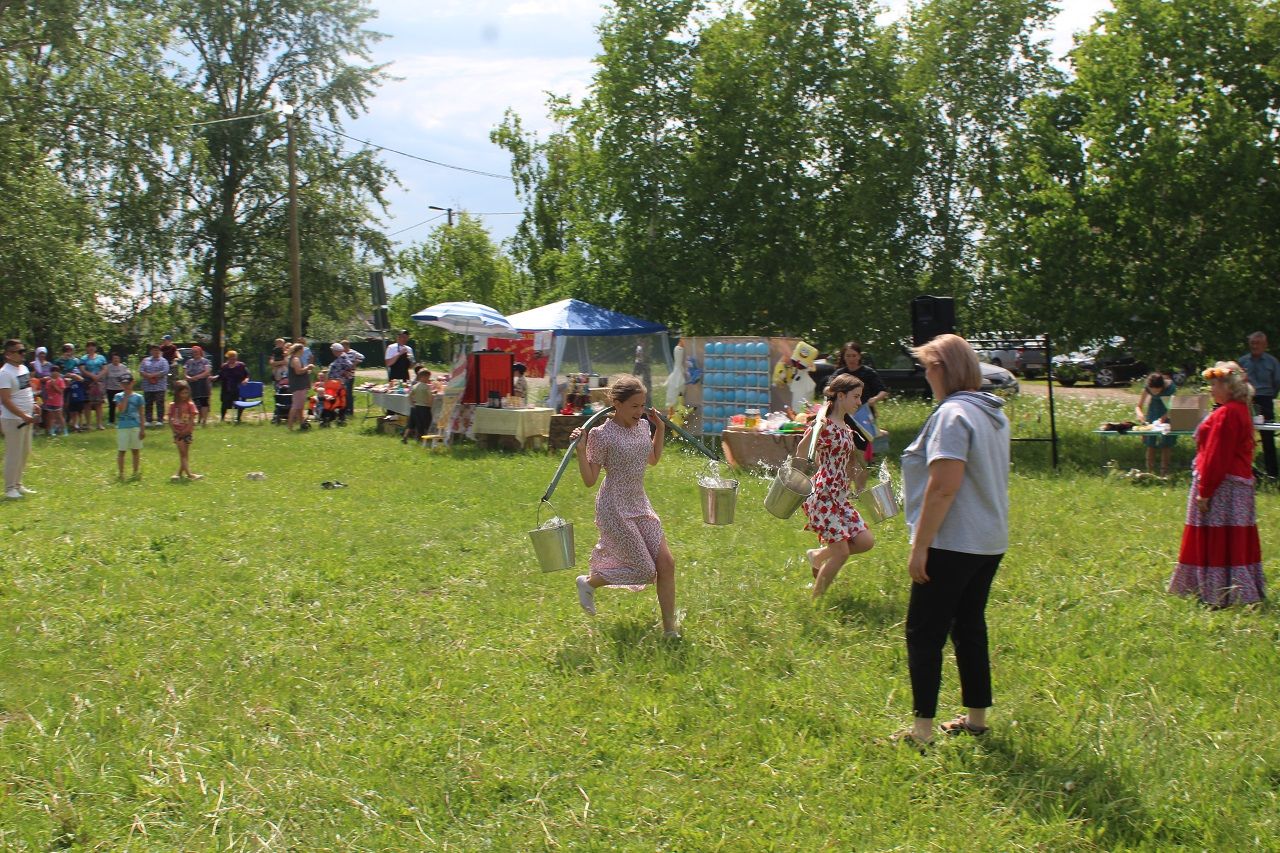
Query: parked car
[[999, 357], [1020, 358], [1111, 364], [902, 374], [1030, 361]]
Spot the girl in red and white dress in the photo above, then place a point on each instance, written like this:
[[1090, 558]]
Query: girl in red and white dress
[[632, 551], [841, 530]]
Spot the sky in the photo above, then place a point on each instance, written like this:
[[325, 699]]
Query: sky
[[461, 64]]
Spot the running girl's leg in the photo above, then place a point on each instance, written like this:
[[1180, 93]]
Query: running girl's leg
[[666, 568]]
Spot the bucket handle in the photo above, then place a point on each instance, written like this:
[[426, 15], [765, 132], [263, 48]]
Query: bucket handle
[[813, 438], [538, 524], [546, 496]]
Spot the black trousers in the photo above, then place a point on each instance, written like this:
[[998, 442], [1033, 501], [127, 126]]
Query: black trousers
[[156, 399], [1266, 406], [111, 404], [953, 602]]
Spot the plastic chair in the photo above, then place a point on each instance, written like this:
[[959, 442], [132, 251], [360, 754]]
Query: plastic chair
[[250, 397]]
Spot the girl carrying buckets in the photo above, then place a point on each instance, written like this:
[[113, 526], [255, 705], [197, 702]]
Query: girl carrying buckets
[[632, 551], [841, 530]]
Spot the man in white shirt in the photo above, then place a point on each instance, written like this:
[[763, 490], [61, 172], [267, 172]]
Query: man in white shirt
[[18, 414], [400, 357]]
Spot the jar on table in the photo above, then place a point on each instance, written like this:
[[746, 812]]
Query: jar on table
[[753, 418]]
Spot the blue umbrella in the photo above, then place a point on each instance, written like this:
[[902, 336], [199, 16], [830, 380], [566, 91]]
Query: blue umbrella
[[467, 318]]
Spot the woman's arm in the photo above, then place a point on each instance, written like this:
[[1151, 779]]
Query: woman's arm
[[1141, 407], [590, 472], [875, 390], [659, 436], [945, 478], [1228, 427], [296, 365]]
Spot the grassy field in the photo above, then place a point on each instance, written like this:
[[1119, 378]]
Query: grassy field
[[269, 665]]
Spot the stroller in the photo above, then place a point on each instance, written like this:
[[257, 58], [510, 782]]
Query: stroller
[[283, 401], [330, 403]]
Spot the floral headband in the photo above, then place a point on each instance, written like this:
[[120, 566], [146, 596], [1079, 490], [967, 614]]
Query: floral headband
[[1218, 372]]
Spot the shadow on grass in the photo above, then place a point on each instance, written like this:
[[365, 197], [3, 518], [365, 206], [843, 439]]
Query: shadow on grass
[[630, 641], [1083, 789], [639, 640], [853, 608]]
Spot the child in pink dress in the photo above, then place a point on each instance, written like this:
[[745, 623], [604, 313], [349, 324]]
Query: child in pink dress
[[632, 551], [182, 420], [54, 391], [841, 530]]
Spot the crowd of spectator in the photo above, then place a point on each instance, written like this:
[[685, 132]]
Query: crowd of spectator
[[74, 388]]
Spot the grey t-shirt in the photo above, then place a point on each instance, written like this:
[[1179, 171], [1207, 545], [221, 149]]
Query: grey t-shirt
[[968, 426]]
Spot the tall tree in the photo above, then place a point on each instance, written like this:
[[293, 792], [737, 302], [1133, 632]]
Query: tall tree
[[457, 262], [86, 133], [1150, 195], [247, 59], [971, 64]]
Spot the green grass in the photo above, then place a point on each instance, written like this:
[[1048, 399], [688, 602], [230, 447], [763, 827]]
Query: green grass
[[249, 665]]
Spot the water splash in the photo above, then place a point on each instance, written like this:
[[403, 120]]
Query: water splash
[[713, 479]]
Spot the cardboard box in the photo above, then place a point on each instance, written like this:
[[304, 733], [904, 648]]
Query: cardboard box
[[1186, 412]]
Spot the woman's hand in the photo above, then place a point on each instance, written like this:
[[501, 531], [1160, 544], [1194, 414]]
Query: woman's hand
[[1202, 504], [659, 426], [577, 431], [916, 565]]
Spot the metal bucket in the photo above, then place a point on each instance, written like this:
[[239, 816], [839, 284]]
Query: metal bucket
[[553, 543], [790, 486], [880, 501], [718, 503]]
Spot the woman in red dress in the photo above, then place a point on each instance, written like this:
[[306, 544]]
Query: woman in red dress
[[1220, 558]]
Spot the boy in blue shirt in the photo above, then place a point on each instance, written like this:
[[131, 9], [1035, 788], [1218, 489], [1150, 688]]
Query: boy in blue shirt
[[129, 427]]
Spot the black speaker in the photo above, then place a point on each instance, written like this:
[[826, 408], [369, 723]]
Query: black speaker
[[378, 290], [932, 316]]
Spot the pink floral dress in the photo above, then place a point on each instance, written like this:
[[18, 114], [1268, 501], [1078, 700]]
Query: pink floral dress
[[630, 531], [830, 513]]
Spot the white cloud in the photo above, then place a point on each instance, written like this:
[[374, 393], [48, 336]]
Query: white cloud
[[468, 95], [426, 10]]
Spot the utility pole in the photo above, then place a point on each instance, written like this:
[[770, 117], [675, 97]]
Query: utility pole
[[448, 211], [295, 250]]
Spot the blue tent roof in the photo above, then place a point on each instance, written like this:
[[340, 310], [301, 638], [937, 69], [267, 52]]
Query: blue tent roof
[[575, 317]]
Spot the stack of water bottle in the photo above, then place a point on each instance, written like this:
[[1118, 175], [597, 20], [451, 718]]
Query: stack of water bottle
[[736, 379]]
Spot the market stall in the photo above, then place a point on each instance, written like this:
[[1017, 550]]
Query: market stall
[[590, 341], [732, 376]]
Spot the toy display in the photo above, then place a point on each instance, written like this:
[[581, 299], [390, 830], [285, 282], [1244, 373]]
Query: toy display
[[735, 378]]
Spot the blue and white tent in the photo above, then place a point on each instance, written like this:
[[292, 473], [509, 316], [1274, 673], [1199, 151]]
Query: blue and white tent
[[598, 335]]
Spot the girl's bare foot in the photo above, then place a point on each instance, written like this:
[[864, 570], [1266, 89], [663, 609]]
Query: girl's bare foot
[[812, 554]]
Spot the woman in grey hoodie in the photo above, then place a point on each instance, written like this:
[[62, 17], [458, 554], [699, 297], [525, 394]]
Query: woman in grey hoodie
[[956, 492]]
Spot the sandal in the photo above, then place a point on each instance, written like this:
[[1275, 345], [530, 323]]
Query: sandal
[[961, 726]]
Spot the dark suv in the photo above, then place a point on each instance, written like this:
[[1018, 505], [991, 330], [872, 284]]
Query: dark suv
[[1112, 364], [902, 374]]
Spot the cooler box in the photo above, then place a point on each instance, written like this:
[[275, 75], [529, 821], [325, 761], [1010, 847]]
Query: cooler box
[[1186, 412]]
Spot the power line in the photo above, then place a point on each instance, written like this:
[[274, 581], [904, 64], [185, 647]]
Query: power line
[[368, 144], [223, 120], [412, 156], [411, 227]]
